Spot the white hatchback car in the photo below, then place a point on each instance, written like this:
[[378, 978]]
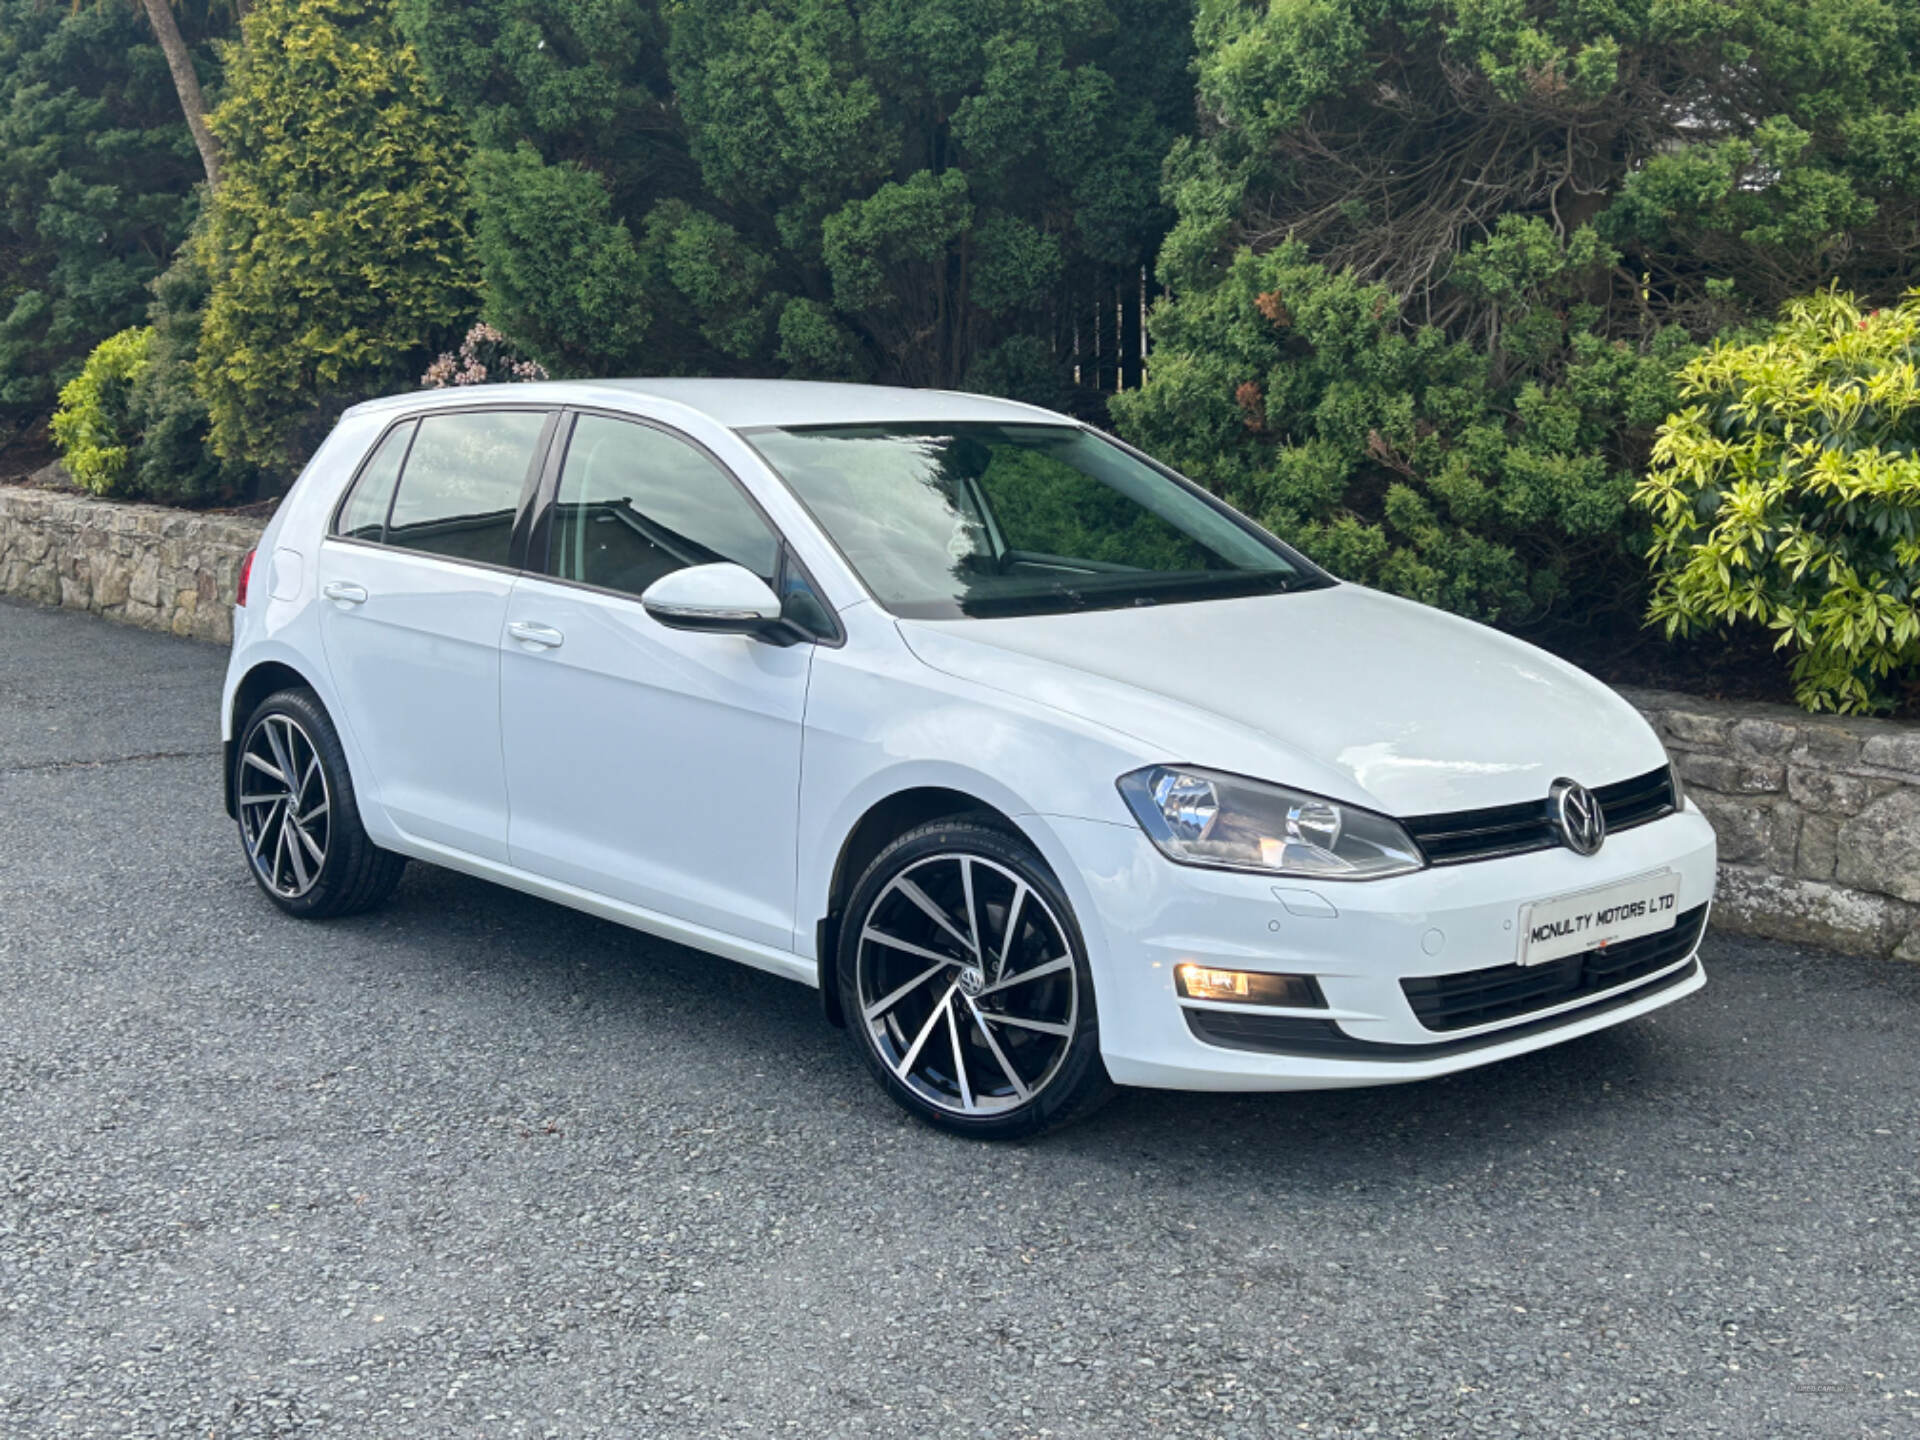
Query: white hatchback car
[[1047, 768]]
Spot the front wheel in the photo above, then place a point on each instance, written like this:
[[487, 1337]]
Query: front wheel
[[299, 822], [965, 984]]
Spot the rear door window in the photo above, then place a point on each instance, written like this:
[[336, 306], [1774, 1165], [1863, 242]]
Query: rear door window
[[464, 478]]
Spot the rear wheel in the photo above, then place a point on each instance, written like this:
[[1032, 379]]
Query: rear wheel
[[299, 823], [965, 984]]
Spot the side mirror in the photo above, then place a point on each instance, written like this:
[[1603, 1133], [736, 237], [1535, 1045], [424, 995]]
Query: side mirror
[[726, 599]]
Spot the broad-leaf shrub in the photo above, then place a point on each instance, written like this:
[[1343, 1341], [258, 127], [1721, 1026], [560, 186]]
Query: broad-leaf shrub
[[132, 425], [94, 425], [1787, 494]]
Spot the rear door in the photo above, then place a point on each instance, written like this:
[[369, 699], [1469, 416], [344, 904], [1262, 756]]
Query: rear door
[[414, 583], [651, 765]]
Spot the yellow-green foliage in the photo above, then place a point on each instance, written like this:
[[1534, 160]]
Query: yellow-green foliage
[[1788, 494], [338, 241], [92, 426]]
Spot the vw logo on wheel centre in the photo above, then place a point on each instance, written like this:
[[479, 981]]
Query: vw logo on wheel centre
[[1577, 816]]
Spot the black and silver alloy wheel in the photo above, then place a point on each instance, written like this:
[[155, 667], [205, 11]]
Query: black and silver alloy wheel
[[299, 819], [285, 806], [963, 976]]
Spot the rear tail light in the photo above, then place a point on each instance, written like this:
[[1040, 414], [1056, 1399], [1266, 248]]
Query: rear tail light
[[246, 574]]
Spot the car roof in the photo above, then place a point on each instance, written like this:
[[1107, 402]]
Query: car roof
[[743, 404]]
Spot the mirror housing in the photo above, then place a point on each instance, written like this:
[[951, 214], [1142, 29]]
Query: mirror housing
[[722, 599]]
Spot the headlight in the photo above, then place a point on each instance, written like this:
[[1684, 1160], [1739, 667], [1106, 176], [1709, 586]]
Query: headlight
[[1200, 817]]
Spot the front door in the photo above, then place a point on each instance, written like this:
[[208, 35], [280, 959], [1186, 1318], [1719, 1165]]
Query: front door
[[656, 766], [414, 583]]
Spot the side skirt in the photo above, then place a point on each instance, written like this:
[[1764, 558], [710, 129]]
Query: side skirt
[[783, 963]]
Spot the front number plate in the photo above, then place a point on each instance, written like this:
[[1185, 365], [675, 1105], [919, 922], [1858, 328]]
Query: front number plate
[[1554, 929]]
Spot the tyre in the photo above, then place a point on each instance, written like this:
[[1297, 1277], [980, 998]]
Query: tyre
[[299, 824], [964, 980]]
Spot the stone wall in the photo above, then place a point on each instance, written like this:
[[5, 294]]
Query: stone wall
[[1818, 819], [171, 570]]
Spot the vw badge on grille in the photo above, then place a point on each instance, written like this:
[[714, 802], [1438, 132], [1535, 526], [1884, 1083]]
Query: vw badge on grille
[[1577, 816]]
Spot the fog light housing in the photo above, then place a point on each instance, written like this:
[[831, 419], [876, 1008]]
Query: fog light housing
[[1247, 987]]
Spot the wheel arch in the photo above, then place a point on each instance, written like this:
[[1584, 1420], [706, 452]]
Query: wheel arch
[[883, 822], [260, 681]]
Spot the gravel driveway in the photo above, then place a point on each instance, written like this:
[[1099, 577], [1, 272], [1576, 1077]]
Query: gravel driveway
[[480, 1166]]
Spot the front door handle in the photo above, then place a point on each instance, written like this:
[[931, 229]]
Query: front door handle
[[541, 637], [344, 592]]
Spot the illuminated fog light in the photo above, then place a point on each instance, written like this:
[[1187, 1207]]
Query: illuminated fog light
[[1246, 987]]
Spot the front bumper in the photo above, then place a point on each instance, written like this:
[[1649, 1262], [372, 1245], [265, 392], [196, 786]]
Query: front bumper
[[1359, 940]]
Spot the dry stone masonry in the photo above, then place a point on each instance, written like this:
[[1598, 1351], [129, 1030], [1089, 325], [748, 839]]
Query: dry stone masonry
[[1818, 817], [148, 565]]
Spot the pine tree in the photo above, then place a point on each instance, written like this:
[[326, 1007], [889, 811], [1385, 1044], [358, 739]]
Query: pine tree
[[99, 184]]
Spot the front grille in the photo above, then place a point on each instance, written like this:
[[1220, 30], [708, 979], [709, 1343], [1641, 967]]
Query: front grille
[[1464, 835], [1503, 992], [1628, 803], [1483, 834]]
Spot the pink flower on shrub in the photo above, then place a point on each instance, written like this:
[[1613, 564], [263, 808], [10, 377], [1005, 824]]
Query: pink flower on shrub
[[483, 351]]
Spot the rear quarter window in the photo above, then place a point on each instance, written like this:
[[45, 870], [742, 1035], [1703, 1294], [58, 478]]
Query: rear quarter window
[[364, 516]]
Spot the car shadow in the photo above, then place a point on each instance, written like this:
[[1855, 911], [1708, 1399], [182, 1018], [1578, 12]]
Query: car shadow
[[1629, 1076]]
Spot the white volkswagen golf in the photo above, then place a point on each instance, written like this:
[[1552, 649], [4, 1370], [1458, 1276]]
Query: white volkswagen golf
[[1047, 768]]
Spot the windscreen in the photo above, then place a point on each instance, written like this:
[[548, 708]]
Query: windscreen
[[946, 520]]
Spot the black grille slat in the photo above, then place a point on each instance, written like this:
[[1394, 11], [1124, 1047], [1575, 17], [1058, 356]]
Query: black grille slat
[[1653, 783], [1634, 802], [1501, 830], [1537, 979], [1505, 992], [1620, 960]]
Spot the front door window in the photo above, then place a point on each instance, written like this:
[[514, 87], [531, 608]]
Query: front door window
[[636, 503]]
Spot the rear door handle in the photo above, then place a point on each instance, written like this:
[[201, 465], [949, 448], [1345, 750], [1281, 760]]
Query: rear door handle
[[541, 637], [344, 592]]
